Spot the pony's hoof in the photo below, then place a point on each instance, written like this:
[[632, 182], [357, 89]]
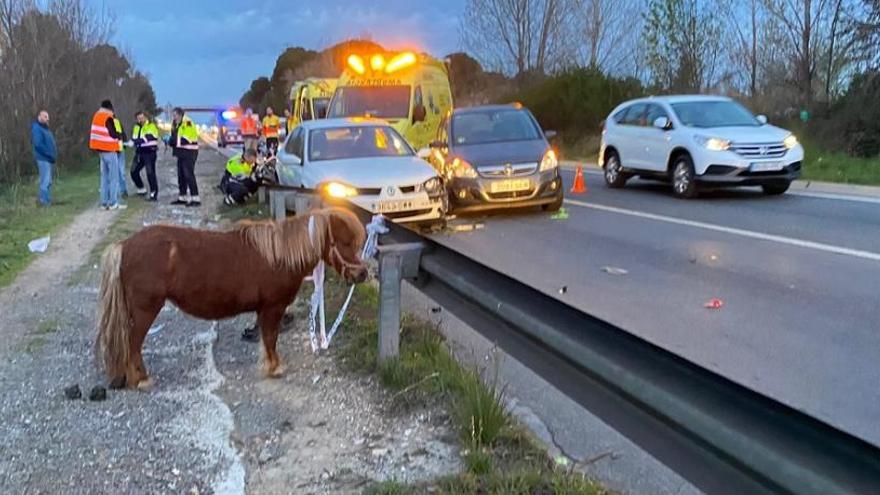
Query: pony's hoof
[[145, 384], [277, 372], [117, 383]]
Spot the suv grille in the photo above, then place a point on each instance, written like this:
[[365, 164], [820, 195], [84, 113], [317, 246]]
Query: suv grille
[[759, 150]]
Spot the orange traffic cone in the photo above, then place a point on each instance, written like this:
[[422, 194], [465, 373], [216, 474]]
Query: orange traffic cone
[[579, 187]]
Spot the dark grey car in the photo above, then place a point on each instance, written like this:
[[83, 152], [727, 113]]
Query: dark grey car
[[495, 156]]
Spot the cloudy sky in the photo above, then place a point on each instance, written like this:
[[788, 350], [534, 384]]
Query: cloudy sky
[[207, 52]]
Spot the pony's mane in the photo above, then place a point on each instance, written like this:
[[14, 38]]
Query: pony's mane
[[286, 244]]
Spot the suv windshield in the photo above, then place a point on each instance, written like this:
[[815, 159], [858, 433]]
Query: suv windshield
[[387, 102], [339, 143], [492, 126], [714, 114]]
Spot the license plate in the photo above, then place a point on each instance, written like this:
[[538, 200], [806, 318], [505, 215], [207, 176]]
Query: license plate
[[766, 166], [502, 186], [392, 206]]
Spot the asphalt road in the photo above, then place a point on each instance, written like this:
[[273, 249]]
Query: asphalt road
[[799, 277]]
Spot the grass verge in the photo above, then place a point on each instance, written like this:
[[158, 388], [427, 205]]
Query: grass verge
[[22, 221], [829, 166], [500, 456]]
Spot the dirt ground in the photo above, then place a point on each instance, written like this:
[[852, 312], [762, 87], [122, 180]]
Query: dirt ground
[[212, 423]]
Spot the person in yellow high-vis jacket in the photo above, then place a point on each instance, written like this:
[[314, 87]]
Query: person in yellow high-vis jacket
[[185, 139], [145, 136], [240, 179]]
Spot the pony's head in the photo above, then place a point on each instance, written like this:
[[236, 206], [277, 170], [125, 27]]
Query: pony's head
[[344, 237], [334, 235]]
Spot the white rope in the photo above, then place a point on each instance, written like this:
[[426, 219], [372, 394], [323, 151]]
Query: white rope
[[375, 228]]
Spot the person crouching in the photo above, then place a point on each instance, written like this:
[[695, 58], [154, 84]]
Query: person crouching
[[240, 179]]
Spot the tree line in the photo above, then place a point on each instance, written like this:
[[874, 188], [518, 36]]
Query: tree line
[[809, 59], [56, 56]]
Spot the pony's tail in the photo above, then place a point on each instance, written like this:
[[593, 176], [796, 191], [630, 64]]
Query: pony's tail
[[114, 318]]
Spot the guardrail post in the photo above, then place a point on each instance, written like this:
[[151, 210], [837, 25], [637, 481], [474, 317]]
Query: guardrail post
[[262, 195], [396, 262], [277, 204]]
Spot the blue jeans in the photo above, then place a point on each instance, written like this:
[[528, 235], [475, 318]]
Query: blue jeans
[[109, 178], [45, 195], [123, 189]]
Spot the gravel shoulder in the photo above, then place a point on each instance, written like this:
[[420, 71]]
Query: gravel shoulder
[[212, 423]]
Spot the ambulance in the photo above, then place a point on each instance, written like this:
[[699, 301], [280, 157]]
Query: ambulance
[[310, 98], [408, 90]]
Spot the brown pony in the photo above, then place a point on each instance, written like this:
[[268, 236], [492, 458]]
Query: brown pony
[[257, 266]]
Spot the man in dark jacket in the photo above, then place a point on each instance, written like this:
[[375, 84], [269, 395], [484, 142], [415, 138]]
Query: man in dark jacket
[[45, 154]]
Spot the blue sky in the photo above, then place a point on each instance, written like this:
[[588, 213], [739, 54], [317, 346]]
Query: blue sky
[[207, 52]]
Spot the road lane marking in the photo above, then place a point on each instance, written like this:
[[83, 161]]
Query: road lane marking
[[839, 197], [818, 246]]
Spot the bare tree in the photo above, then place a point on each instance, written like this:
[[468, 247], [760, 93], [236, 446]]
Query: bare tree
[[57, 58], [608, 29], [518, 36], [683, 44]]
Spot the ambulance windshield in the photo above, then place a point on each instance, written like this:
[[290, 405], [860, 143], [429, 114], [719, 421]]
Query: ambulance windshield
[[386, 102]]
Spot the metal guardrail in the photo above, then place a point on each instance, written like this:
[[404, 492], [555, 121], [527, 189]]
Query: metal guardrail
[[717, 434]]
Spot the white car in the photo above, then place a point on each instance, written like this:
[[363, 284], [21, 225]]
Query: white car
[[696, 141], [364, 161]]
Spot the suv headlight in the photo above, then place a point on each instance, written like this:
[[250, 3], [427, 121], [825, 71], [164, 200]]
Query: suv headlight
[[549, 161], [463, 169], [790, 141], [338, 190], [712, 143]]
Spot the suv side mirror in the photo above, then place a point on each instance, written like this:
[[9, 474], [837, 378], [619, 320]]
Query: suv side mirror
[[549, 134], [424, 153], [662, 123], [419, 114], [762, 119]]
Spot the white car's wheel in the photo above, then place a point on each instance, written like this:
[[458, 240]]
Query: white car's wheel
[[684, 184], [614, 175]]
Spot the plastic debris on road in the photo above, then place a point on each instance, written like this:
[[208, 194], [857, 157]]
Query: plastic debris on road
[[466, 227], [562, 214], [39, 245], [714, 303], [613, 270]]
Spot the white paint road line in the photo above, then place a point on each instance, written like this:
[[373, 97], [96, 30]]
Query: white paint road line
[[818, 246], [839, 197]]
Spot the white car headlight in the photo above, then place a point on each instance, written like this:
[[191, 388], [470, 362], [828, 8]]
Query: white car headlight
[[338, 190], [712, 143], [549, 161], [432, 186], [790, 141]]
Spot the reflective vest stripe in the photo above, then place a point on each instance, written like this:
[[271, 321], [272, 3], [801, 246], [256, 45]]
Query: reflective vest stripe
[[99, 136]]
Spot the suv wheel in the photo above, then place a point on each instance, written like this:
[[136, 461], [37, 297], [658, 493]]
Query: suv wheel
[[615, 177], [683, 184], [776, 190]]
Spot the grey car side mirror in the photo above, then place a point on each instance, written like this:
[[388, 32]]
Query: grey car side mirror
[[662, 123], [762, 119]]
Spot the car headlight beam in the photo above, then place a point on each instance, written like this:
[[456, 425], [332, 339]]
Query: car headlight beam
[[790, 141], [712, 143], [463, 169], [339, 190]]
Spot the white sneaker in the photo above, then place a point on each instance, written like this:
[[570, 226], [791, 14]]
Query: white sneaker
[[117, 206]]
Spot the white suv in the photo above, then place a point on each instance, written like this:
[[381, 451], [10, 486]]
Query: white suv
[[697, 141]]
